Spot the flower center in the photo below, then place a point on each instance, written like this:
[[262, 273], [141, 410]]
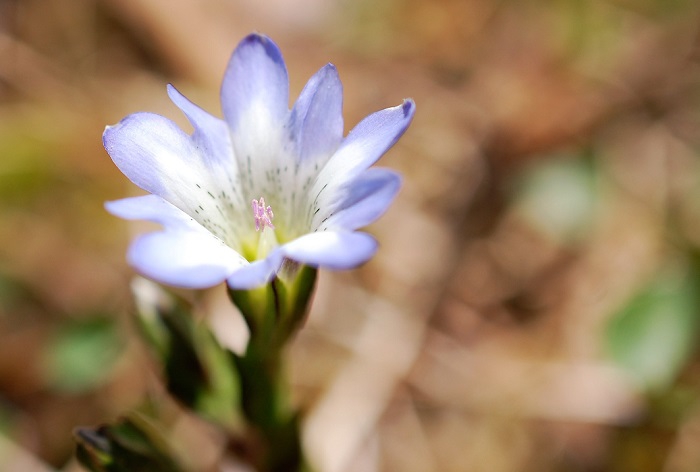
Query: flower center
[[263, 215], [260, 245]]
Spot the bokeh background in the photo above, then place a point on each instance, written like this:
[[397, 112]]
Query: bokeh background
[[535, 303]]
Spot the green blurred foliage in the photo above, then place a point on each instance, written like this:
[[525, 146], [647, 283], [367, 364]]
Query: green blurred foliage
[[558, 197], [653, 336], [82, 355]]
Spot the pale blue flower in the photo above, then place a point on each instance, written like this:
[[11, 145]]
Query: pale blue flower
[[240, 195]]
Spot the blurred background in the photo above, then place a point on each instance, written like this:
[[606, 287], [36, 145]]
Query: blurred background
[[535, 303]]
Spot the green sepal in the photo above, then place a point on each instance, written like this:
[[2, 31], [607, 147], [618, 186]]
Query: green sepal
[[198, 371], [132, 444], [274, 312]]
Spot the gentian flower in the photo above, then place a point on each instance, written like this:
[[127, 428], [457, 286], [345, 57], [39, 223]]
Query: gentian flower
[[241, 196]]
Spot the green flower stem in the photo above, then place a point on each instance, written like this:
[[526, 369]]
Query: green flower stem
[[273, 313]]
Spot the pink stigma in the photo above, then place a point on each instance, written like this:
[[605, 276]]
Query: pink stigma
[[263, 215]]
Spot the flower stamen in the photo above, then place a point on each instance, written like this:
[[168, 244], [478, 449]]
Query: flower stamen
[[263, 215]]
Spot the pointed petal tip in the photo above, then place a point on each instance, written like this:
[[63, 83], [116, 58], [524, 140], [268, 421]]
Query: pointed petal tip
[[255, 37], [108, 208], [124, 121], [104, 136], [256, 44], [170, 88], [331, 72], [108, 205], [109, 128], [111, 132], [256, 78], [269, 46], [107, 133], [328, 75], [175, 96], [328, 70], [409, 107]]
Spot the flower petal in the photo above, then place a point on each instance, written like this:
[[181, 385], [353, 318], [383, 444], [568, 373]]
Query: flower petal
[[255, 82], [317, 117], [367, 199], [187, 259], [255, 102], [160, 158], [185, 254], [331, 249], [257, 273], [151, 151], [210, 133], [153, 208], [369, 140], [366, 143]]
